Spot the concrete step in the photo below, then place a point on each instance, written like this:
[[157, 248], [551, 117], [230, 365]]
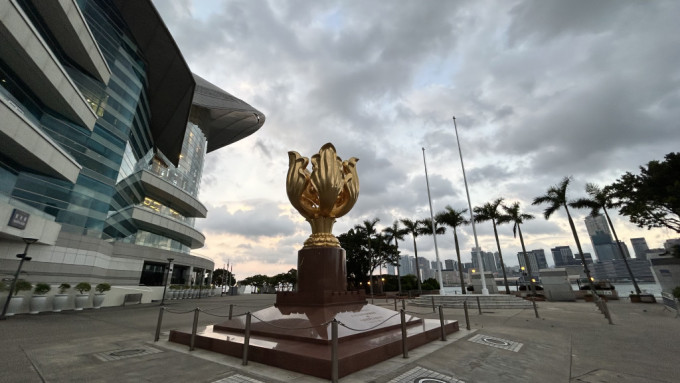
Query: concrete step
[[496, 301]]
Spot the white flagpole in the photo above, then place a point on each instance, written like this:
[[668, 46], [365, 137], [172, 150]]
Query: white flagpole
[[434, 232], [485, 291]]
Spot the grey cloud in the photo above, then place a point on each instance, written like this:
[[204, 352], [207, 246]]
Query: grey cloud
[[264, 220]]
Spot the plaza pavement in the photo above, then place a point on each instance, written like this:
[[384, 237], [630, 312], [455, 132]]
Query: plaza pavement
[[570, 342]]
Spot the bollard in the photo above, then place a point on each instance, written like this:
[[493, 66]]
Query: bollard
[[193, 329], [158, 326], [434, 309], [607, 313], [403, 304], [479, 306], [404, 346], [533, 301], [395, 304], [441, 322], [467, 316], [246, 339], [334, 351], [231, 310], [372, 300]]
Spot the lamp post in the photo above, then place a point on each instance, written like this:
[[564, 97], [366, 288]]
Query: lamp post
[[23, 257], [167, 276]]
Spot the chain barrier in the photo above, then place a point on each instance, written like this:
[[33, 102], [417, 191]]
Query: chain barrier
[[367, 329], [179, 312], [291, 328]]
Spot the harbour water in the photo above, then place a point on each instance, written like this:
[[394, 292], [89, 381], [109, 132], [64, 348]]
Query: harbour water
[[623, 289]]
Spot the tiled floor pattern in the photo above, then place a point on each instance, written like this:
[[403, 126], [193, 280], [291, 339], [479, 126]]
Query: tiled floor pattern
[[423, 375], [496, 342], [238, 379], [126, 353]]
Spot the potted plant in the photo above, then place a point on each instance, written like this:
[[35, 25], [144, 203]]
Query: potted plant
[[82, 298], [99, 297], [17, 301], [61, 299], [39, 298]]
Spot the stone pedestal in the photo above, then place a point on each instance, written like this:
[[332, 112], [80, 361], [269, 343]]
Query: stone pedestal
[[322, 280]]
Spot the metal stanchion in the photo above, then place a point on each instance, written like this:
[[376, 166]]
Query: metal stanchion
[[395, 304], [193, 329], [606, 312], [533, 301], [434, 309], [231, 310], [479, 306], [334, 351], [467, 316], [158, 326], [441, 322], [246, 339], [403, 304], [404, 345]]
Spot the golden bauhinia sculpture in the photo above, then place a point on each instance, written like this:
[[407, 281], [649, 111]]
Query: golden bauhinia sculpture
[[327, 193]]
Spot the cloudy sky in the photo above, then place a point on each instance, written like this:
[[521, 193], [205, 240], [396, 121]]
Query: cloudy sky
[[540, 90]]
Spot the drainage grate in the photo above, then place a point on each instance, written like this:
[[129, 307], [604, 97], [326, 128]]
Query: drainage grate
[[423, 375], [238, 379], [126, 353], [496, 342]]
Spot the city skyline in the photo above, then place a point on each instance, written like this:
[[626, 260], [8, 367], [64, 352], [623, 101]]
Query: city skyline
[[539, 90]]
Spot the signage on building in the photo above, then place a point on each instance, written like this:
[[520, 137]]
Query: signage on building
[[19, 219]]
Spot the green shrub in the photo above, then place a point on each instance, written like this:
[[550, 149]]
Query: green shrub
[[42, 289], [430, 284], [102, 288], [83, 287], [676, 292], [22, 285], [63, 287]]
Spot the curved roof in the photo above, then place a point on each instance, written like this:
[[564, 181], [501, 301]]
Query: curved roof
[[223, 118]]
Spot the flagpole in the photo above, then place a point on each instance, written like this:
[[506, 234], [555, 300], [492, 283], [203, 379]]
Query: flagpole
[[485, 291], [434, 232]]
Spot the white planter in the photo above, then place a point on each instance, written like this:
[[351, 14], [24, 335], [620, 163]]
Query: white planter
[[14, 306], [60, 302], [175, 294], [81, 301], [97, 300], [38, 303]]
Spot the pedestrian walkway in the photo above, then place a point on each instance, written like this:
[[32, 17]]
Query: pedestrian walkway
[[570, 342]]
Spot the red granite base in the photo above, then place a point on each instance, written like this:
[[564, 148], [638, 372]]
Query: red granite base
[[298, 338]]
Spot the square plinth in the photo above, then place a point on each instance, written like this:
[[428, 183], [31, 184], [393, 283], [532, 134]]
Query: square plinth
[[299, 339]]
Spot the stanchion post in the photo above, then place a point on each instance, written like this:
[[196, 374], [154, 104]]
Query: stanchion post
[[434, 309], [607, 313], [194, 328], [479, 306], [231, 310], [334, 351], [441, 322], [403, 304], [533, 301], [404, 345], [395, 304], [246, 339], [158, 325], [467, 316]]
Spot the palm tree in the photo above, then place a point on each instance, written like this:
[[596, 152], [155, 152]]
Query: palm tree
[[414, 228], [397, 233], [556, 197], [489, 212], [513, 215], [602, 199], [368, 229], [454, 218]]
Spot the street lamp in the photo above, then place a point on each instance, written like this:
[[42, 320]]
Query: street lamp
[[23, 257], [167, 276]]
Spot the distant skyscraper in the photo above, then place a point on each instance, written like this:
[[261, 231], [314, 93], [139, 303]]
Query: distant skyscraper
[[407, 265], [487, 258], [601, 238], [450, 264], [639, 247], [563, 256], [536, 260]]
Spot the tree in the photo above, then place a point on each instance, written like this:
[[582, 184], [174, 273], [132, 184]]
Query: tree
[[356, 255], [556, 198], [454, 218], [220, 277], [513, 215], [651, 198], [601, 199], [368, 230], [489, 212], [397, 233], [414, 228]]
